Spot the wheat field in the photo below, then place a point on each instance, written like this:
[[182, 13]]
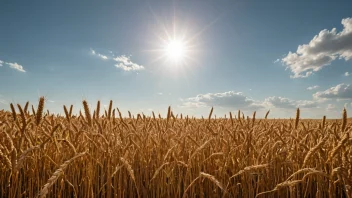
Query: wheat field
[[101, 153]]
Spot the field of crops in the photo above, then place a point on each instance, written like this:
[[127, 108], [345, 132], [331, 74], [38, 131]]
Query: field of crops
[[101, 153]]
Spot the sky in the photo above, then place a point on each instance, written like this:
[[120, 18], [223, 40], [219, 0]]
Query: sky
[[245, 55]]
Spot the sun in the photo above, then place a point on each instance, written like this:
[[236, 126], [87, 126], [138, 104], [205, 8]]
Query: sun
[[175, 47], [175, 50]]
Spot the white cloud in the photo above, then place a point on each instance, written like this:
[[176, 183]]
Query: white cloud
[[330, 107], [340, 91], [124, 62], [347, 74], [279, 102], [313, 87], [230, 99], [277, 60], [321, 51], [160, 93], [1, 62], [286, 103], [16, 66]]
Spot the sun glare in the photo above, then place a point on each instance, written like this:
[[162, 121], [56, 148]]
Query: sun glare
[[175, 50]]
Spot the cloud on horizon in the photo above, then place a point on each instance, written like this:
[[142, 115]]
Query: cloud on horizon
[[286, 103], [324, 48], [236, 100]]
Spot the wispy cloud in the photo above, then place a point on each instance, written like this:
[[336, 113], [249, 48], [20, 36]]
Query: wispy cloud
[[1, 62], [16, 66], [104, 57], [340, 91], [347, 74], [2, 100], [124, 62], [321, 51], [313, 87]]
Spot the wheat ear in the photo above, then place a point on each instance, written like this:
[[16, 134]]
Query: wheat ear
[[13, 112], [87, 112], [297, 118], [39, 112], [45, 190], [344, 119]]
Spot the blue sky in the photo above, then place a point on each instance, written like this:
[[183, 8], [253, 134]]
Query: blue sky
[[248, 55]]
